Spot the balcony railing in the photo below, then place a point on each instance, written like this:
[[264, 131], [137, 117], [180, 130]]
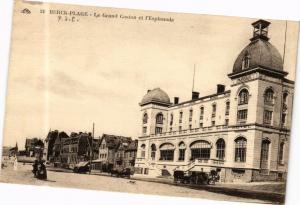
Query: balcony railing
[[193, 130], [208, 161]]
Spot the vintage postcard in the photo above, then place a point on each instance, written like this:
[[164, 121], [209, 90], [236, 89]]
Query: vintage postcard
[[160, 103]]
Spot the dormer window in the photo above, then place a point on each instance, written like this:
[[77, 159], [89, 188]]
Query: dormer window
[[246, 61]]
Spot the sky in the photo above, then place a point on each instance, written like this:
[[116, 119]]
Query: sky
[[66, 75]]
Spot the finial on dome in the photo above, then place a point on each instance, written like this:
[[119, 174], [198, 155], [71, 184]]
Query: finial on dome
[[260, 30]]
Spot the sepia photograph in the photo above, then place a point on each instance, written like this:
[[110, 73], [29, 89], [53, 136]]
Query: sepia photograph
[[149, 102]]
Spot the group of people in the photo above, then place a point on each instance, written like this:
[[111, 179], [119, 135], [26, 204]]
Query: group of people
[[39, 169]]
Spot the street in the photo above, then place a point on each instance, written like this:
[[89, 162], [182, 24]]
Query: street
[[106, 183]]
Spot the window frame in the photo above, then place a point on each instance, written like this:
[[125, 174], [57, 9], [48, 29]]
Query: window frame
[[243, 97], [240, 150], [220, 149]]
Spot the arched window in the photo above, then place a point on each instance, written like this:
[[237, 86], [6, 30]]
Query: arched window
[[180, 116], [145, 118], [181, 151], [240, 149], [159, 122], [167, 152], [269, 96], [264, 154], [220, 149], [243, 97], [227, 108], [246, 61], [200, 150], [159, 118], [281, 151], [284, 109], [143, 152], [171, 119], [201, 113], [153, 151]]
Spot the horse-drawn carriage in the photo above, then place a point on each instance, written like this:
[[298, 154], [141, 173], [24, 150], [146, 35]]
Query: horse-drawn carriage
[[121, 172], [196, 177]]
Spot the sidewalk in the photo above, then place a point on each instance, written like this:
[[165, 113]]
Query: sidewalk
[[270, 191]]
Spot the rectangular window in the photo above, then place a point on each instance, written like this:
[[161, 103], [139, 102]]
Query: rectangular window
[[181, 154], [143, 154], [213, 123], [214, 109], [158, 130], [180, 117], [170, 129], [227, 108], [283, 119], [281, 151], [191, 115], [200, 153], [167, 155], [190, 127], [146, 171], [144, 130], [180, 128], [202, 111], [268, 117], [242, 115], [226, 122], [201, 125]]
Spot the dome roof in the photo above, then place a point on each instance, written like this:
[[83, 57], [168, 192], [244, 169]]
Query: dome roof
[[156, 95], [261, 53]]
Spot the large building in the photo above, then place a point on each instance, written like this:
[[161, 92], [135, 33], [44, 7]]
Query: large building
[[242, 132], [112, 150], [77, 148]]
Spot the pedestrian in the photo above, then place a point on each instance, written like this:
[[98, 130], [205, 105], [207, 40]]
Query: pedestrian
[[16, 163]]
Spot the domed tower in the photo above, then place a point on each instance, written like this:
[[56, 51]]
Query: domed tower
[[258, 80], [154, 111]]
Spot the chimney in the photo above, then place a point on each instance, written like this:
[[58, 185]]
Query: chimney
[[195, 95], [220, 88], [176, 100], [148, 91]]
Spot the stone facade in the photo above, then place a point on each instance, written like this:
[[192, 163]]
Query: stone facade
[[242, 132]]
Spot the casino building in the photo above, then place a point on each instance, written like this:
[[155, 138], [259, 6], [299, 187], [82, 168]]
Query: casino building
[[243, 132]]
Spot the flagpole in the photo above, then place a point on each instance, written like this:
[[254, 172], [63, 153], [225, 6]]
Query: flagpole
[[194, 77], [284, 47]]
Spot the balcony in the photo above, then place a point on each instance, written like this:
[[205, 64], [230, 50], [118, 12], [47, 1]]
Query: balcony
[[192, 131], [209, 162]]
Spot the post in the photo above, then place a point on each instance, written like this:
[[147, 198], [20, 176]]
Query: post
[[91, 149]]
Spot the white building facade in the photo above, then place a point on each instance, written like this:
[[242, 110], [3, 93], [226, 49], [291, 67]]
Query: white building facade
[[242, 133]]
